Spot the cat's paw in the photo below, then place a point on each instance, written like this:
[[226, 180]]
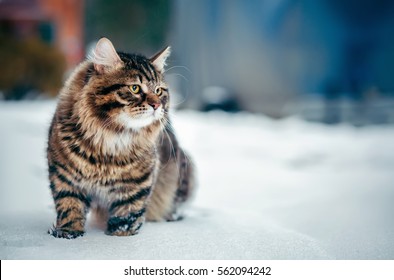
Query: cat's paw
[[65, 233], [125, 226], [174, 217], [125, 230]]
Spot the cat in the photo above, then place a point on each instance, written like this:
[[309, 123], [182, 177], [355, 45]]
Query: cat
[[111, 146]]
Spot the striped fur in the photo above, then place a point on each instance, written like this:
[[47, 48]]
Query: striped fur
[[113, 151]]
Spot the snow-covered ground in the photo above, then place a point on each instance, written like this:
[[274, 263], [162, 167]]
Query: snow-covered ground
[[267, 190]]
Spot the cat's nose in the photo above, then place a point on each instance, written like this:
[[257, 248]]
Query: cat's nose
[[154, 105]]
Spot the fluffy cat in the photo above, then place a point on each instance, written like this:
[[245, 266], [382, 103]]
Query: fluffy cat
[[111, 147]]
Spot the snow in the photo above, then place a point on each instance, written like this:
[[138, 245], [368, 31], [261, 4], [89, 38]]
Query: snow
[[267, 190]]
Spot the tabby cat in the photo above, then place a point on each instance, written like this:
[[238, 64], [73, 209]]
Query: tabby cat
[[111, 147]]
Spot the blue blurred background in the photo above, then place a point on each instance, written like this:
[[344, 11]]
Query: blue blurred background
[[329, 61]]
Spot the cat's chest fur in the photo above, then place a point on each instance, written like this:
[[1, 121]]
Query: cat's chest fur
[[114, 144], [106, 182], [115, 160]]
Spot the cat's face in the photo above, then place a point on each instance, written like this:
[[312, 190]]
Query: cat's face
[[126, 89]]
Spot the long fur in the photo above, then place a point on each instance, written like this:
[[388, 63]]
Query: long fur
[[111, 148]]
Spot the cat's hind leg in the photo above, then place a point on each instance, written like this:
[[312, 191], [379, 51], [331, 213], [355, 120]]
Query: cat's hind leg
[[174, 187], [185, 189]]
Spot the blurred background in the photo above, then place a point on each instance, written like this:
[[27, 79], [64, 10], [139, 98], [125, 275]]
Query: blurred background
[[329, 61]]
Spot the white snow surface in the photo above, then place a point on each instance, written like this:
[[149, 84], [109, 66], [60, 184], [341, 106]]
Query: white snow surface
[[266, 190]]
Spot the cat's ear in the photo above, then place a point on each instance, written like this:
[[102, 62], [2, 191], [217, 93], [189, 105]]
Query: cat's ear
[[104, 56], [159, 59]]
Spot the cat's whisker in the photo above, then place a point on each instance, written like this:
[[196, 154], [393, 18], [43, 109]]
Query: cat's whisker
[[163, 126], [173, 116], [180, 75], [177, 66], [175, 104]]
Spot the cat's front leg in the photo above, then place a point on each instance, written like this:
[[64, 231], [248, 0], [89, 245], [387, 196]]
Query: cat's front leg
[[127, 214], [71, 208]]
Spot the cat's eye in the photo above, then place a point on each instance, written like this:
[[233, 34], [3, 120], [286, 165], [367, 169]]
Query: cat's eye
[[158, 91], [135, 89]]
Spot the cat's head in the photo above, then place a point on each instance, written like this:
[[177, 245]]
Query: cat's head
[[127, 89]]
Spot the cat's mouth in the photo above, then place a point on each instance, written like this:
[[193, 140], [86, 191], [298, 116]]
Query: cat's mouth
[[140, 119]]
